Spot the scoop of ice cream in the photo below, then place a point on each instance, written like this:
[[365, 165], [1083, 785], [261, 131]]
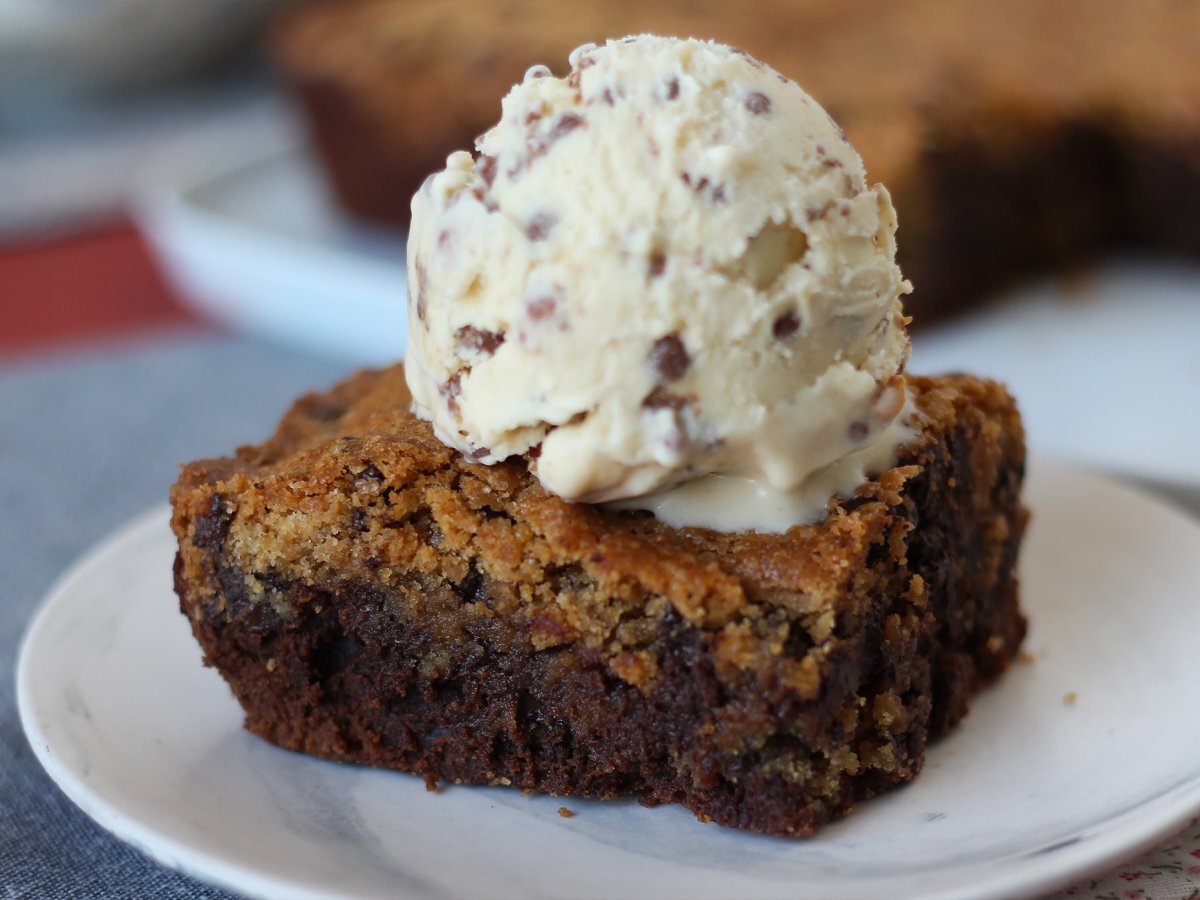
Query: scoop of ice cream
[[667, 264]]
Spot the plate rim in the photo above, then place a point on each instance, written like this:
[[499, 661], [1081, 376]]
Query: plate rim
[[186, 231], [1123, 834]]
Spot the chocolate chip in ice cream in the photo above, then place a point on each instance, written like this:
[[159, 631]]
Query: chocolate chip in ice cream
[[487, 169], [661, 398], [564, 125], [758, 103], [688, 283], [479, 340], [538, 227], [451, 390], [541, 308], [785, 327], [669, 358]]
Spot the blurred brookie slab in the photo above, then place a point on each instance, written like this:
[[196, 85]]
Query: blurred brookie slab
[[1014, 137]]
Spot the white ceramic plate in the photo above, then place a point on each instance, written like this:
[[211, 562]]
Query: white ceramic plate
[[260, 245], [1028, 793]]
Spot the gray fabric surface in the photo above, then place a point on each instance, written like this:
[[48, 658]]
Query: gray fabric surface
[[85, 444]]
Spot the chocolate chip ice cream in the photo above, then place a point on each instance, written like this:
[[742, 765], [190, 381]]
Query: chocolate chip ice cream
[[666, 267]]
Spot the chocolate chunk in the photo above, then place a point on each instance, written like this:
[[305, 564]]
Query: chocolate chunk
[[661, 398], [673, 89], [750, 59], [565, 124], [858, 431], [473, 588], [479, 453], [358, 520], [487, 169], [421, 284], [370, 473], [213, 527], [607, 97], [669, 358], [541, 308], [540, 225], [716, 191], [786, 326], [478, 339], [758, 103], [333, 656], [657, 265], [450, 391], [819, 212]]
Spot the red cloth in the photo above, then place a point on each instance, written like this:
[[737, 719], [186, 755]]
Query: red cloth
[[98, 285]]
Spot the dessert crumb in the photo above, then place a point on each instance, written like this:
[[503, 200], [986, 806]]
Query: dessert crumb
[[565, 813], [1069, 698]]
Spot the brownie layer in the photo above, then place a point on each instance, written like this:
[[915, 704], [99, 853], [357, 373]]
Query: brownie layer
[[371, 597]]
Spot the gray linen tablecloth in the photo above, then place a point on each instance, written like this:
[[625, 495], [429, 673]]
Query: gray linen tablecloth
[[87, 442]]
